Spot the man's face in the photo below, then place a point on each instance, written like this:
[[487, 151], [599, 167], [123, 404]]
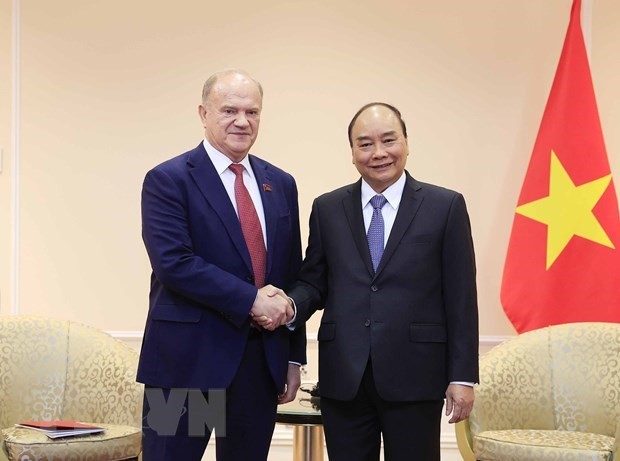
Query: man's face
[[379, 148], [231, 115]]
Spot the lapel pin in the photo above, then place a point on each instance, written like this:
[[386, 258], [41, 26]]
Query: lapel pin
[[266, 187]]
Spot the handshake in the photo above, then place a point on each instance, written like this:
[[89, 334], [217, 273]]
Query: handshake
[[271, 308]]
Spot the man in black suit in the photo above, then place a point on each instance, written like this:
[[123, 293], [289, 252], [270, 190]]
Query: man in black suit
[[395, 275]]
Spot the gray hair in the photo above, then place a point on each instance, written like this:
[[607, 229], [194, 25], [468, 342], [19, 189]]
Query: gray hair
[[211, 81]]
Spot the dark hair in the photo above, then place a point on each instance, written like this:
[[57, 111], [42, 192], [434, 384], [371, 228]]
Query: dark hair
[[389, 106]]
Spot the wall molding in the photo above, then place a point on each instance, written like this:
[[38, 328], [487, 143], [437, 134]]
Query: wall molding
[[485, 341], [15, 152], [130, 336]]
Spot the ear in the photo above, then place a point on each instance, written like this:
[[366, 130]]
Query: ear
[[202, 112]]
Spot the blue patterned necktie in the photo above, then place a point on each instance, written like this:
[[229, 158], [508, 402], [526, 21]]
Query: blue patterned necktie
[[376, 230]]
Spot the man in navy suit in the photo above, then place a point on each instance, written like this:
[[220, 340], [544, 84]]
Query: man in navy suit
[[391, 261], [220, 227]]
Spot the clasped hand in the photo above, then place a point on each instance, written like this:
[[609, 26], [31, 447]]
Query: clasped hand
[[271, 308]]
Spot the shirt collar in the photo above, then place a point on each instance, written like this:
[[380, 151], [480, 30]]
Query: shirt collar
[[221, 162], [393, 194]]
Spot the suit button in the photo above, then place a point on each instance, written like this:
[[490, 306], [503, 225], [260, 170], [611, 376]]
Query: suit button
[[249, 280], [374, 288], [367, 323]]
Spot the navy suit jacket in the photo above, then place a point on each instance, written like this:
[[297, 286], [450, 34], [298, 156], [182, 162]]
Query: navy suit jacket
[[202, 286], [416, 317]]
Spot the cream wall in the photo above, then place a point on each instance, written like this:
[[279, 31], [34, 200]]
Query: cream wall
[[606, 75], [109, 89]]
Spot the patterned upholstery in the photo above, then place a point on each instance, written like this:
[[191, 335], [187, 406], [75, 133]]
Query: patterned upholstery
[[57, 369], [549, 394], [117, 442]]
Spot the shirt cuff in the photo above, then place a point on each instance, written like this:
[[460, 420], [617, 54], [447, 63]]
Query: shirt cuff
[[463, 383], [291, 324]]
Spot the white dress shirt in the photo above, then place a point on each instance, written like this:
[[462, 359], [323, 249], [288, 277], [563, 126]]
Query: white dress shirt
[[393, 194], [221, 164]]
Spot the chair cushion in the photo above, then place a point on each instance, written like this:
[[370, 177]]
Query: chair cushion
[[542, 445], [115, 443]]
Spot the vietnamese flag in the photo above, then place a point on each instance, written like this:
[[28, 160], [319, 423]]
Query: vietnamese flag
[[563, 261]]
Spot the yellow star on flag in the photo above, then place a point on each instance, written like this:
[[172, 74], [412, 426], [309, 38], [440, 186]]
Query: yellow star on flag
[[567, 210]]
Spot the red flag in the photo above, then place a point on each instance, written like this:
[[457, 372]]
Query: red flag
[[563, 261]]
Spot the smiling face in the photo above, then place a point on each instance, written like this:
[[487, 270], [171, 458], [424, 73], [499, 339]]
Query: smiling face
[[231, 115], [379, 147]]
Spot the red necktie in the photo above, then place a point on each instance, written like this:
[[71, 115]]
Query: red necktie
[[250, 226]]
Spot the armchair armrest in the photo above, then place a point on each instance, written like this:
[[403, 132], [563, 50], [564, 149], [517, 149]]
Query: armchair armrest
[[464, 440]]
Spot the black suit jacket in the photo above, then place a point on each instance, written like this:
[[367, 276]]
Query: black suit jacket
[[416, 317]]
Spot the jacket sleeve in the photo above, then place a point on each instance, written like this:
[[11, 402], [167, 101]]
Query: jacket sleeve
[[311, 287], [298, 339], [460, 294], [169, 246]]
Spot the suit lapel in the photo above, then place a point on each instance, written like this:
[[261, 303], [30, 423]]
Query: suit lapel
[[352, 204], [270, 208], [409, 205], [208, 181]]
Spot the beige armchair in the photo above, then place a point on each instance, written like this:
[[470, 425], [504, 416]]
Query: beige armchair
[[62, 370], [549, 394]]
